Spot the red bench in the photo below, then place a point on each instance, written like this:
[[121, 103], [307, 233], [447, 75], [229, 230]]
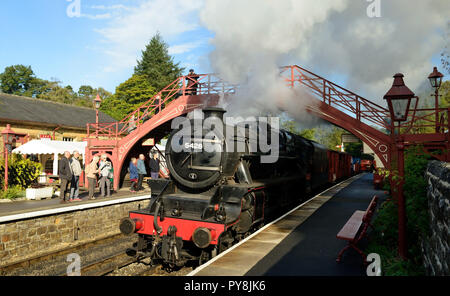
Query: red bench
[[356, 228]]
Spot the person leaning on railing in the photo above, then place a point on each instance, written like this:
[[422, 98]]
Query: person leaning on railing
[[91, 173]]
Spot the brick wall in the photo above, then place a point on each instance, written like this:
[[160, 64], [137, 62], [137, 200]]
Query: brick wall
[[24, 239], [436, 248]]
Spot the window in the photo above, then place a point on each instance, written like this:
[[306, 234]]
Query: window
[[66, 139]]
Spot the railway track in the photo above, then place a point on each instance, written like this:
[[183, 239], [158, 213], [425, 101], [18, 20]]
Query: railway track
[[97, 257], [106, 265]]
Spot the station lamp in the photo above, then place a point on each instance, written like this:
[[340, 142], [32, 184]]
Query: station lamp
[[399, 99], [8, 140], [435, 78], [97, 103]]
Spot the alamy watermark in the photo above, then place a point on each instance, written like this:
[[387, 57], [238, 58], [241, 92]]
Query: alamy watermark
[[374, 268], [74, 267], [374, 8], [238, 134], [74, 8]]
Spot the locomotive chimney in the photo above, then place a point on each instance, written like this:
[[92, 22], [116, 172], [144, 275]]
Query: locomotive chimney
[[214, 112]]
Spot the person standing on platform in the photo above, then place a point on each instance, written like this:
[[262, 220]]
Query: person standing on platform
[[105, 176], [75, 183], [141, 171], [91, 174], [133, 175], [65, 175], [154, 166]]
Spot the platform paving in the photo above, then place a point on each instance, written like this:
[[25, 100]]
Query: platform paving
[[25, 206], [303, 243]]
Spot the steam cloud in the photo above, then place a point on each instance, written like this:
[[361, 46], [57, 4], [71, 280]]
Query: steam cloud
[[253, 38]]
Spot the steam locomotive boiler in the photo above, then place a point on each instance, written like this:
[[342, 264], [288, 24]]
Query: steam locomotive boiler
[[218, 196]]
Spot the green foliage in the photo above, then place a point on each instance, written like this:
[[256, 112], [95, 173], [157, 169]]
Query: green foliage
[[19, 80], [135, 91], [129, 96], [415, 190], [384, 238], [291, 126], [86, 91], [444, 91], [154, 71], [13, 192], [157, 65], [330, 137], [21, 172], [355, 149]]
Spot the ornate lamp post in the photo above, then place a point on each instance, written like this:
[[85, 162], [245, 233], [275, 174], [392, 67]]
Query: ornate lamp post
[[399, 101], [97, 103], [436, 79], [8, 138]]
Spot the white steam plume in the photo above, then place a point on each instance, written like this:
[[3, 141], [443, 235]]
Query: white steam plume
[[253, 38]]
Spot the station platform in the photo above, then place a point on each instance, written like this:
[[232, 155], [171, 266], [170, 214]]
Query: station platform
[[30, 208], [303, 242]]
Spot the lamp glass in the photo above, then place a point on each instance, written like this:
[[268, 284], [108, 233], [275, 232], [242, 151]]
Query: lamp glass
[[433, 81], [97, 104], [400, 108], [5, 138], [438, 82]]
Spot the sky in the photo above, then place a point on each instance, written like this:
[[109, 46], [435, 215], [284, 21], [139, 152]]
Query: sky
[[99, 43]]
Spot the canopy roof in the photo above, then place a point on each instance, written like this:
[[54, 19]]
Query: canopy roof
[[46, 146]]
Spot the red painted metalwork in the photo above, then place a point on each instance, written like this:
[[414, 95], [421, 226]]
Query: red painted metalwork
[[366, 120], [185, 227]]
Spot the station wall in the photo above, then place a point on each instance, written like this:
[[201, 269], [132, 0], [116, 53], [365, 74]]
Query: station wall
[[436, 248], [27, 238]]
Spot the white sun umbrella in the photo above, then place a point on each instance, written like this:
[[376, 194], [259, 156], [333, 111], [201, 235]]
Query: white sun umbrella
[[46, 146]]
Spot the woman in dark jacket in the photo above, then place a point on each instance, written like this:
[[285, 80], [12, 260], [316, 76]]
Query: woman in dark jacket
[[133, 174]]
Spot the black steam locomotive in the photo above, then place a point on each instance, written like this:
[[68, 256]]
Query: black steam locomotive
[[217, 197]]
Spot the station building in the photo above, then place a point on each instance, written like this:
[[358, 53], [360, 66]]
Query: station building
[[39, 119]]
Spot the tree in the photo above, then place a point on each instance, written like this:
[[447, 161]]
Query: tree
[[445, 92], [291, 126], [330, 137], [86, 92], [355, 149], [129, 96], [58, 94], [19, 80], [135, 90], [157, 65]]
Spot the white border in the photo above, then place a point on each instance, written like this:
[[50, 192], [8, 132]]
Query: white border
[[201, 267], [78, 207]]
